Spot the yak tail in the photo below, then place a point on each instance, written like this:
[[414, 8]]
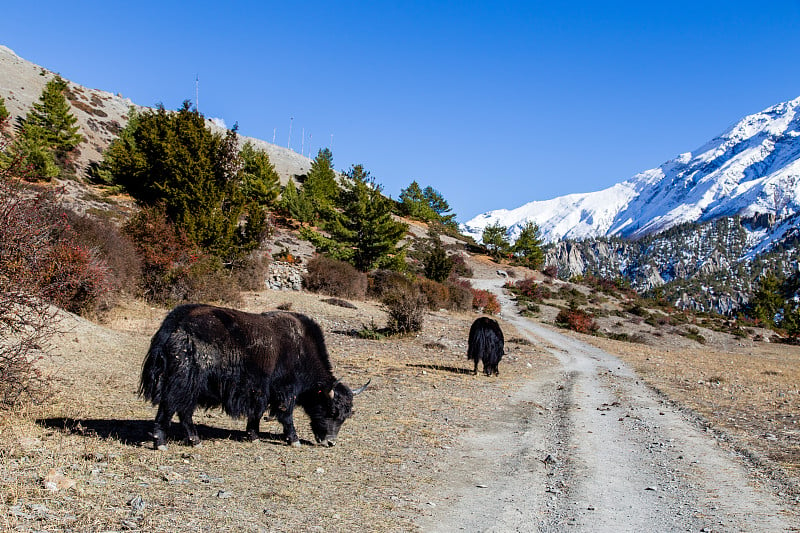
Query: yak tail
[[154, 368]]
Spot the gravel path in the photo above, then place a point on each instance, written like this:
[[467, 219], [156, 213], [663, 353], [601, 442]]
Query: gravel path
[[589, 447]]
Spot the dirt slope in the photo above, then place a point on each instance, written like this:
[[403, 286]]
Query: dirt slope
[[567, 438]]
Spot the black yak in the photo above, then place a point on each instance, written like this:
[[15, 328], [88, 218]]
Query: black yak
[[246, 364], [485, 344]]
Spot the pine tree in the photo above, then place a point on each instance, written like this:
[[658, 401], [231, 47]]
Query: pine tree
[[365, 230], [495, 240], [438, 265], [767, 300], [413, 203], [528, 246], [260, 182], [439, 206], [51, 124], [320, 187], [172, 158], [296, 205], [4, 115]]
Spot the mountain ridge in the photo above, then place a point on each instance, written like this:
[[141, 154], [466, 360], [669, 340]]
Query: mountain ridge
[[102, 114], [752, 168]]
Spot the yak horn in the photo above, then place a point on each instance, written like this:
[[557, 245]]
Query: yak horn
[[361, 388], [333, 387]]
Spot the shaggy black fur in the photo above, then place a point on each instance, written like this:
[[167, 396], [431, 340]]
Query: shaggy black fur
[[485, 344], [244, 363]]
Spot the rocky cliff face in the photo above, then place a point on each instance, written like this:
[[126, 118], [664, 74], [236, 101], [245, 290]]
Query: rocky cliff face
[[705, 267]]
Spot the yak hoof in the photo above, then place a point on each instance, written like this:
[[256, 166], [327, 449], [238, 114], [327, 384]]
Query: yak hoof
[[295, 444], [161, 447]]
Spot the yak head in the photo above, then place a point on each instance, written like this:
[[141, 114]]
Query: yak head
[[331, 408]]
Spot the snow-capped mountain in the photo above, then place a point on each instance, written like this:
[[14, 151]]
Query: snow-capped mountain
[[752, 168]]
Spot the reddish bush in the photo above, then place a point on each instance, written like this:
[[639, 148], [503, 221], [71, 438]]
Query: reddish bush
[[532, 290], [437, 295], [160, 244], [460, 267], [75, 279], [576, 320], [335, 278], [112, 247], [551, 271], [167, 256], [485, 301], [38, 266]]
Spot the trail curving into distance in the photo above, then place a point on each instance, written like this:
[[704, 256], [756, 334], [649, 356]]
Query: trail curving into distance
[[589, 447]]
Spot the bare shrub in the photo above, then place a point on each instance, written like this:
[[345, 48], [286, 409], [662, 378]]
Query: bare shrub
[[205, 280], [460, 267], [461, 296], [252, 271], [335, 278], [437, 295], [113, 247], [384, 282], [28, 240], [406, 308]]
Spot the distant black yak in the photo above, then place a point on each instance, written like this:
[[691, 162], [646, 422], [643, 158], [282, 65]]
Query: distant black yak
[[244, 363], [486, 345]]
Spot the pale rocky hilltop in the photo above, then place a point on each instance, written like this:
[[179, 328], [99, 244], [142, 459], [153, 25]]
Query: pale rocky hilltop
[[102, 114]]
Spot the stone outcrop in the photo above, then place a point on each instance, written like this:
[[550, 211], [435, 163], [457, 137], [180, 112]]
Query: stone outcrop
[[285, 276]]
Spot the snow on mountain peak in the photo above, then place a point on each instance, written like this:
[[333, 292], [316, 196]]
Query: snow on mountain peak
[[751, 168]]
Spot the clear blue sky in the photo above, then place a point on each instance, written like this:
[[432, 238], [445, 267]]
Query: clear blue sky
[[494, 104]]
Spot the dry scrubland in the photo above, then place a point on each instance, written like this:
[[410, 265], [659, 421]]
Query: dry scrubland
[[748, 394], [94, 431]]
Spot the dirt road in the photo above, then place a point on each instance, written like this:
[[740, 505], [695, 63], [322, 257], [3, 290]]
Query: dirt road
[[589, 447]]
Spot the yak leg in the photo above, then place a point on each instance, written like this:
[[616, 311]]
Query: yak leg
[[188, 426], [253, 422], [289, 434], [475, 370], [161, 426]]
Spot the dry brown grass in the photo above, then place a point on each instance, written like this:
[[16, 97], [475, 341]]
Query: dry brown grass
[[421, 399], [749, 391], [92, 432]]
